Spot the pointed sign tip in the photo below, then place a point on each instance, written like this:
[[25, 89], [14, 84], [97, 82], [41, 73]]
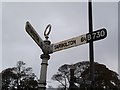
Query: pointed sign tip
[[27, 22]]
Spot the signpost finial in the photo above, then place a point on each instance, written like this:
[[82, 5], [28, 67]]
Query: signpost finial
[[47, 31]]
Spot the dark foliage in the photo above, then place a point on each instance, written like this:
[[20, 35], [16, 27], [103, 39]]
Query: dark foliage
[[105, 79], [19, 78]]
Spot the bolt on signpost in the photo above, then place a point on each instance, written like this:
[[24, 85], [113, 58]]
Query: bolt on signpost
[[48, 48]]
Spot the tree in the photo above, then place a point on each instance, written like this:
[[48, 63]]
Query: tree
[[62, 76], [19, 78], [105, 79]]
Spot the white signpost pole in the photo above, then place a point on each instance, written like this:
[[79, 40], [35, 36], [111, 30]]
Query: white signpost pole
[[45, 57], [43, 72]]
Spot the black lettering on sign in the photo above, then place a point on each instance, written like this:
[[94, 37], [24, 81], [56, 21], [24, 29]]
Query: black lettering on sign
[[83, 39], [96, 35], [65, 44]]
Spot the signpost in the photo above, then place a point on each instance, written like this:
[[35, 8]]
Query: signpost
[[49, 48], [45, 46]]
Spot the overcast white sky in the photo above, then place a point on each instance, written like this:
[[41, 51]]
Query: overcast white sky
[[68, 20]]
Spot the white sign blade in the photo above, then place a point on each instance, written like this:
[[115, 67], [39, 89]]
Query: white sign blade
[[69, 43], [31, 31], [85, 38]]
